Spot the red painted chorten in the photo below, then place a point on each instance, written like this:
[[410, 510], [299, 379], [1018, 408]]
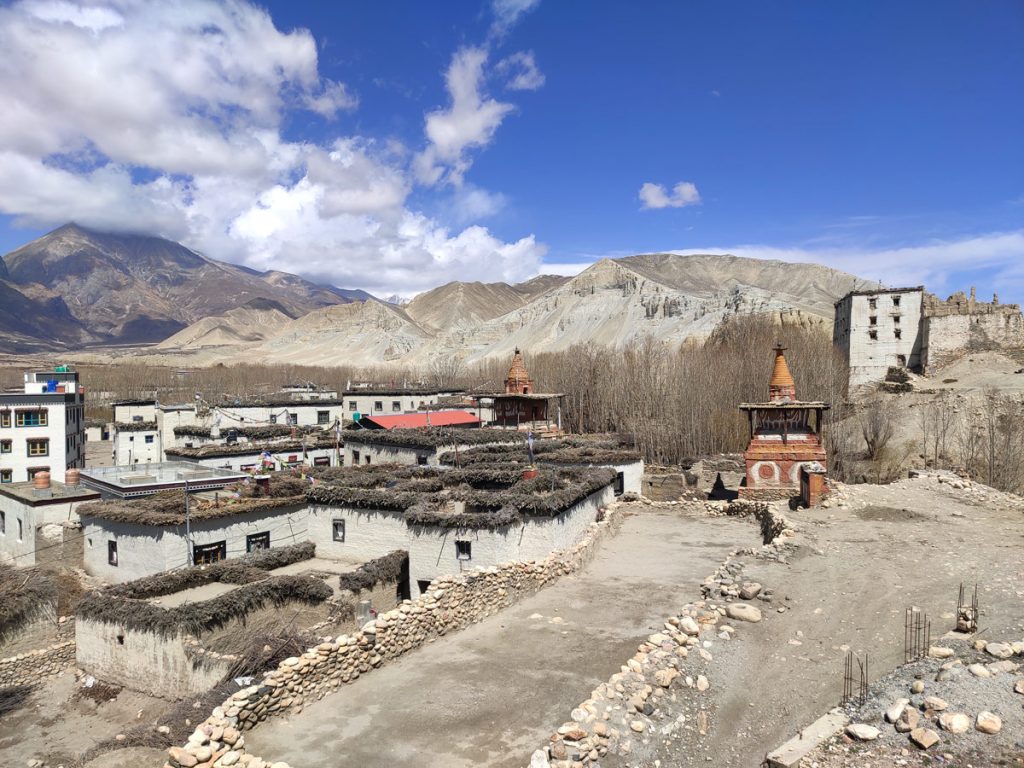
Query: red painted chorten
[[785, 434]]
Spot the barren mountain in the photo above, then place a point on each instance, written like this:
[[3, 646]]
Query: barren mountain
[[256, 321], [612, 302], [135, 288]]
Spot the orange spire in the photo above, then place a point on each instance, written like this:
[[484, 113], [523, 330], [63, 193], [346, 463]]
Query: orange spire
[[781, 386], [518, 379]]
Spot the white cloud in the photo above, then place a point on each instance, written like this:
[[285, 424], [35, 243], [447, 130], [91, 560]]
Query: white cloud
[[656, 196], [508, 12], [522, 71], [469, 122], [166, 118]]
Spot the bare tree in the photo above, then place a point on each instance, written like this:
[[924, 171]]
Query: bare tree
[[877, 425]]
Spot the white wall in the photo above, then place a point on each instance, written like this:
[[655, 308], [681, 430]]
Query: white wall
[[131, 448], [142, 661], [244, 462], [22, 552], [65, 430], [366, 403], [946, 337], [432, 552], [128, 412], [144, 550], [408, 455]]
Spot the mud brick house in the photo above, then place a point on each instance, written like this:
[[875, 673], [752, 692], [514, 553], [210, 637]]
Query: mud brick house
[[423, 447], [128, 539], [785, 435], [454, 520], [572, 451]]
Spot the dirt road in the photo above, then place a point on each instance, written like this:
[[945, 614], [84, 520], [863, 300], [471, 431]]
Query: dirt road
[[491, 694]]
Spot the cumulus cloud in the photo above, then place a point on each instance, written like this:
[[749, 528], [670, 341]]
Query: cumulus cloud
[[469, 122], [656, 196], [522, 72], [167, 118]]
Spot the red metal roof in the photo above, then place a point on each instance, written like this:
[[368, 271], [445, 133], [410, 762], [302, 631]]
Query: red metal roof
[[436, 419]]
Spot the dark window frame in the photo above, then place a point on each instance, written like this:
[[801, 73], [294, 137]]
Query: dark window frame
[[334, 530], [112, 553], [262, 538], [463, 550]]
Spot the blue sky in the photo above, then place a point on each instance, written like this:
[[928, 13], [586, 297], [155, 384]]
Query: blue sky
[[395, 146]]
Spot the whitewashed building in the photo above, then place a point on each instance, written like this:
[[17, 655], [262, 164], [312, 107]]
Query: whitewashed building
[[40, 524], [878, 330], [423, 447], [42, 428]]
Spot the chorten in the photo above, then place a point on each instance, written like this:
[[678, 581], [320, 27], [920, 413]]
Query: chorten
[[785, 435]]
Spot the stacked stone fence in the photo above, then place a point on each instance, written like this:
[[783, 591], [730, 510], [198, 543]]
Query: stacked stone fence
[[452, 603], [29, 668], [771, 520]]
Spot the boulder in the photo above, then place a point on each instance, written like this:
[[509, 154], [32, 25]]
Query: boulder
[[750, 590], [979, 670], [935, 704], [908, 720], [743, 612], [988, 723], [181, 758], [689, 625], [892, 714], [954, 722], [924, 738], [940, 652], [539, 759], [999, 650], [862, 732], [1018, 687]]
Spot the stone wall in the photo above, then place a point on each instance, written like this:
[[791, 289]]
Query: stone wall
[[28, 668], [950, 336], [37, 630], [664, 486], [452, 603]]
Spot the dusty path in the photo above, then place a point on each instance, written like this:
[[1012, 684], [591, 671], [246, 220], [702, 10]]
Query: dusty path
[[856, 570], [491, 694]]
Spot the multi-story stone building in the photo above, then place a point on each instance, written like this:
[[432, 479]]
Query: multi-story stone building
[[43, 427]]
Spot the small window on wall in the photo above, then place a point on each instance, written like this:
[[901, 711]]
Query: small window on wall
[[5, 446], [338, 530], [396, 406], [273, 418], [38, 446], [367, 459], [421, 460], [293, 419], [254, 542], [6, 476], [895, 301], [873, 335], [378, 405], [112, 553], [323, 417], [21, 530], [149, 439], [5, 418], [620, 483], [355, 458], [3, 523], [898, 333], [873, 303], [203, 554], [463, 550], [901, 360], [873, 320], [352, 406], [30, 418]]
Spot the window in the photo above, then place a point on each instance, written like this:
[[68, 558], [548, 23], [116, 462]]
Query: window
[[112, 553], [463, 550], [209, 553], [352, 405], [367, 459], [901, 360], [321, 461], [293, 419], [323, 417], [338, 530], [5, 418], [257, 541], [873, 303], [620, 483], [136, 418], [873, 335], [6, 476], [898, 333], [896, 319], [895, 301], [396, 406], [273, 418], [39, 446], [131, 438], [30, 418], [149, 439], [33, 470], [5, 446], [21, 530], [873, 320], [421, 460], [378, 405], [3, 523]]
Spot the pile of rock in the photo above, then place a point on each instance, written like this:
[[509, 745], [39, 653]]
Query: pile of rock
[[727, 583], [627, 706], [452, 602]]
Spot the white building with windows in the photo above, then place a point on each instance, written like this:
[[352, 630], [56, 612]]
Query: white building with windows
[[878, 330], [42, 427]]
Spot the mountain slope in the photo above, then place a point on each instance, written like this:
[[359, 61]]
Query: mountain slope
[[673, 298], [136, 288], [257, 320]]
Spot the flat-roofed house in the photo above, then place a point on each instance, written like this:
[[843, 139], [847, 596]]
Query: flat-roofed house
[[423, 447]]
